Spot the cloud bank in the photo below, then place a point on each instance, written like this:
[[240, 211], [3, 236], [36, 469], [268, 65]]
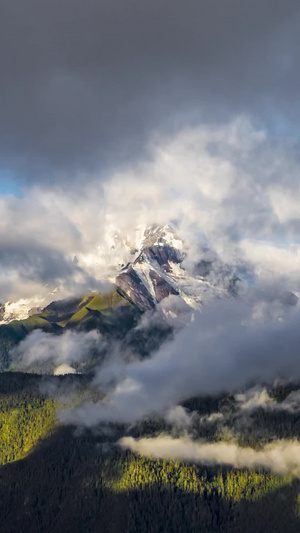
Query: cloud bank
[[84, 83], [221, 351], [222, 187], [282, 457]]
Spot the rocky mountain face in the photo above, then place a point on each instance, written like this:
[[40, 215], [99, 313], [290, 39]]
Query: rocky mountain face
[[159, 270], [146, 281]]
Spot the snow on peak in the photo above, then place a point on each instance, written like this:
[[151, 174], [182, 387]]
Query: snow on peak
[[156, 235], [18, 310], [160, 268]]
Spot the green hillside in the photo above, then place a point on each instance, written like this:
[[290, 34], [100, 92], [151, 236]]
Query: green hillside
[[98, 302], [107, 312]]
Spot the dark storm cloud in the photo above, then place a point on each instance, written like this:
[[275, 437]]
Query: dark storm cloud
[[83, 83], [36, 263]]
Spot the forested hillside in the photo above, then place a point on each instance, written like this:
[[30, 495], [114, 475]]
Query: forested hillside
[[59, 479]]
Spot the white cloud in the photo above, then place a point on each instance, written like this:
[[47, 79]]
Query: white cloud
[[282, 457], [220, 185], [285, 203], [254, 398], [222, 350], [63, 369], [272, 260], [179, 417], [67, 348]]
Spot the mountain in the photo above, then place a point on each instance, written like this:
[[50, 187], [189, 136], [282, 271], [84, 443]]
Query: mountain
[[157, 267], [25, 307], [110, 313], [18, 310], [160, 269], [56, 478]]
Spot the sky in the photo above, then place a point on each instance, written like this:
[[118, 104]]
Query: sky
[[115, 115], [84, 84]]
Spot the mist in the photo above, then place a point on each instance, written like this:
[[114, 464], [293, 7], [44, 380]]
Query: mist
[[281, 457], [223, 350], [259, 398], [60, 350]]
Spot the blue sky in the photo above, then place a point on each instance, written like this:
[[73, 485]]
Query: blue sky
[[8, 184]]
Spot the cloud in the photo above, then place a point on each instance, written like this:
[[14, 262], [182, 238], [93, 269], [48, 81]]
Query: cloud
[[282, 457], [213, 183], [258, 397], [83, 84], [63, 369], [291, 403], [179, 417], [68, 348], [221, 351], [39, 238]]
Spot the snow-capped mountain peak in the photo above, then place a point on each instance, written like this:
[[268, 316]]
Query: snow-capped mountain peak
[[159, 269], [148, 267]]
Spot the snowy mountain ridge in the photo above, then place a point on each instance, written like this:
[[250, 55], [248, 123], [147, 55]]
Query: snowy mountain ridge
[[156, 268], [160, 269]]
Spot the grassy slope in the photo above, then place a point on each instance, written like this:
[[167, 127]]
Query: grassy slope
[[58, 315], [33, 322], [99, 302]]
